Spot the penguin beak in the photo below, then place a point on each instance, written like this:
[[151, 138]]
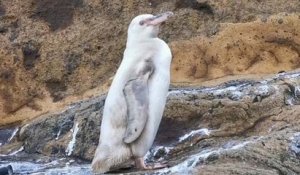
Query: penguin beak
[[158, 19]]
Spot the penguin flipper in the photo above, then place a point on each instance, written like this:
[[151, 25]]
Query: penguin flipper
[[137, 100]]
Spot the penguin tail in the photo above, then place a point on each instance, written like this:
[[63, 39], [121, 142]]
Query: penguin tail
[[99, 167], [106, 158]]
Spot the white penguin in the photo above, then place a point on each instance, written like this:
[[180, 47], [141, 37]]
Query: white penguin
[[136, 99]]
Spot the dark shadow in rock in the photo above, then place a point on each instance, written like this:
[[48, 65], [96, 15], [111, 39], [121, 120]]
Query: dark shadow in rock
[[45, 131], [2, 10], [30, 54], [5, 134], [7, 77], [56, 89], [170, 130], [72, 62], [57, 13], [155, 3], [14, 30], [3, 29], [238, 83], [194, 4]]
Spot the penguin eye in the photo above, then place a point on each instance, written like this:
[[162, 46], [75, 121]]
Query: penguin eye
[[142, 22]]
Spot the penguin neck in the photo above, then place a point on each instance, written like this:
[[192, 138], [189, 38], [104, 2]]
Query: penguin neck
[[133, 40]]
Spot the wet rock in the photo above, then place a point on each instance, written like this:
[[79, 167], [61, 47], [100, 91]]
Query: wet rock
[[212, 157], [203, 130], [57, 131], [7, 134], [295, 145], [11, 149], [293, 93], [6, 170]]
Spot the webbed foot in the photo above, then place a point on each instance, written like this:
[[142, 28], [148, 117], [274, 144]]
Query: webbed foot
[[140, 164]]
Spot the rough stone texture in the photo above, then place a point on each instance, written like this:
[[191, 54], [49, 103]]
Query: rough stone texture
[[238, 127], [51, 50], [259, 47], [56, 130]]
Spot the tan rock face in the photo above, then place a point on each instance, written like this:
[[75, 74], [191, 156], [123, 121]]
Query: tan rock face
[[53, 51], [260, 47]]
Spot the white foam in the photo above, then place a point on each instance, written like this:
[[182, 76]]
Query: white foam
[[71, 144], [290, 102], [237, 94], [241, 145], [17, 151], [271, 128], [24, 167], [26, 125], [58, 134], [13, 153], [263, 89], [297, 90], [147, 155], [182, 91], [167, 149], [13, 134], [74, 170], [294, 135], [221, 91], [187, 165], [203, 131], [32, 168], [293, 75]]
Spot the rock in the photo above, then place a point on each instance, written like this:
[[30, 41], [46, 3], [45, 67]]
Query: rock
[[52, 135], [6, 170], [57, 14], [30, 54], [237, 49], [7, 135], [203, 131], [223, 115], [2, 10], [53, 51], [295, 145]]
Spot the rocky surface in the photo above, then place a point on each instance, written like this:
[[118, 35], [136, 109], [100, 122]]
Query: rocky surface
[[238, 127], [264, 46], [53, 51], [57, 58]]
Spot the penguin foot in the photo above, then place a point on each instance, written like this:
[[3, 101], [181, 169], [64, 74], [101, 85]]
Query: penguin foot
[[140, 164]]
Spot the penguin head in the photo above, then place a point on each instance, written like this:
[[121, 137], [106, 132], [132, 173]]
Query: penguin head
[[147, 25]]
